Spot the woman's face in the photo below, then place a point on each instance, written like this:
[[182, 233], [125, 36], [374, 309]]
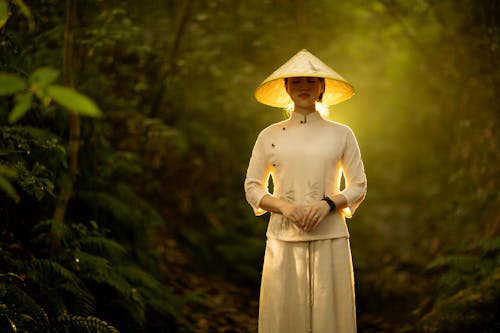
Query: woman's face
[[305, 91]]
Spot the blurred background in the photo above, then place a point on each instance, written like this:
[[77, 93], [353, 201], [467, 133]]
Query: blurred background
[[126, 131]]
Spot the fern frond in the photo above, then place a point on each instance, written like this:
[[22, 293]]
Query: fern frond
[[12, 276], [464, 263], [134, 312], [45, 272], [138, 277], [129, 196], [106, 247], [474, 308], [156, 295], [166, 308], [79, 324], [99, 269], [119, 209], [52, 278], [41, 233], [81, 301], [23, 311], [488, 246]]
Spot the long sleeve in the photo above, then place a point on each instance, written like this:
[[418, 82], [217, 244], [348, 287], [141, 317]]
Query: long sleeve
[[354, 173], [256, 181]]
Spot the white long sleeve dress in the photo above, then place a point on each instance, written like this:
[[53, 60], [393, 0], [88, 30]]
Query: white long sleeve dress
[[307, 280]]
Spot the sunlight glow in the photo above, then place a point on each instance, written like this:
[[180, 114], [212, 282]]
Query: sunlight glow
[[320, 107]]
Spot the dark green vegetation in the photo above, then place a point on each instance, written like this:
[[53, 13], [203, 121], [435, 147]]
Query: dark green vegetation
[[135, 220]]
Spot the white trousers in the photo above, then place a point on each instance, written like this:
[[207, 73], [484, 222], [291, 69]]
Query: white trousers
[[307, 287]]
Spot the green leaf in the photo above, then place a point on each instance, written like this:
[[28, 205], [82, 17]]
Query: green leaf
[[6, 187], [4, 12], [42, 77], [7, 172], [11, 83], [74, 101], [27, 13], [23, 104]]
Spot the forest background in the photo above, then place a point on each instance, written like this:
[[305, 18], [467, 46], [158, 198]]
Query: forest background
[[126, 131]]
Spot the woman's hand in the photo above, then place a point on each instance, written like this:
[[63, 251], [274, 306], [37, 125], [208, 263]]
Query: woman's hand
[[296, 214], [315, 214], [306, 218]]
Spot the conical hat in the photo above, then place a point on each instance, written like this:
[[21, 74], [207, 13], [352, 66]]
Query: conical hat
[[272, 90]]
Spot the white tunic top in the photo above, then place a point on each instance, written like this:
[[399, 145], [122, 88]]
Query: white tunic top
[[306, 156]]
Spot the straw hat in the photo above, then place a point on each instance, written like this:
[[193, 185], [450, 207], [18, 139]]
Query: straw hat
[[272, 90]]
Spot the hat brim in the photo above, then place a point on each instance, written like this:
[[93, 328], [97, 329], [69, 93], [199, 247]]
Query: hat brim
[[274, 93], [272, 90]]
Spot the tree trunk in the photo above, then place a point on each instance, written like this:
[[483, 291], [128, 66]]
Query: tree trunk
[[66, 189], [168, 68]]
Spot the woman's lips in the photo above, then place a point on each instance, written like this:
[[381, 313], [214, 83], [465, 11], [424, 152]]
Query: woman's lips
[[304, 95]]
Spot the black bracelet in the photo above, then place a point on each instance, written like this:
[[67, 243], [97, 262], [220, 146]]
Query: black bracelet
[[330, 203]]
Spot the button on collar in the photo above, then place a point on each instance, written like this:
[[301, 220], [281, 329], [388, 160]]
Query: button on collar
[[297, 118]]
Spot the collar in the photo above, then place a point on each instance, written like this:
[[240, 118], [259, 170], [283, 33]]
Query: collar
[[298, 119]]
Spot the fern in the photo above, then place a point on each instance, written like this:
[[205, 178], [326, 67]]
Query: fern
[[41, 233], [119, 210], [104, 246], [99, 270], [166, 308], [6, 174], [130, 310], [487, 247], [78, 324], [469, 293], [21, 311], [60, 286], [138, 276], [128, 195], [472, 309], [155, 294], [464, 263], [43, 270], [34, 141]]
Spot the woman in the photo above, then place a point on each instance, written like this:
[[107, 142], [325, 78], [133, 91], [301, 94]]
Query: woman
[[307, 279]]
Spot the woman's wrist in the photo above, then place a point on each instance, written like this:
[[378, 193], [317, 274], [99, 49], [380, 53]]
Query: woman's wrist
[[284, 206], [330, 202]]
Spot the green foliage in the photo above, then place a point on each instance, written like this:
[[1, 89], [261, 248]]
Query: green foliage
[[19, 312], [468, 290], [40, 85], [103, 277], [20, 145], [73, 101], [41, 78], [78, 324], [7, 173], [23, 104], [4, 12], [11, 84]]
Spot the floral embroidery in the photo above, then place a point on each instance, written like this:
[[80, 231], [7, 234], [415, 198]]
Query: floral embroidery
[[312, 194]]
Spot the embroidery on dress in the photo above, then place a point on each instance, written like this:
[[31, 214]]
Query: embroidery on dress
[[286, 224], [312, 194]]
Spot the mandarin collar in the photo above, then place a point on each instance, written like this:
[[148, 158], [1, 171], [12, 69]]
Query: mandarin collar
[[297, 118]]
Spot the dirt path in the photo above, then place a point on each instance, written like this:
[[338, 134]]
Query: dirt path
[[213, 305], [220, 306]]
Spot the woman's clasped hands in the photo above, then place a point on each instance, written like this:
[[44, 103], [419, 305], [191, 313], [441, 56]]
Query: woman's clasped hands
[[307, 217]]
